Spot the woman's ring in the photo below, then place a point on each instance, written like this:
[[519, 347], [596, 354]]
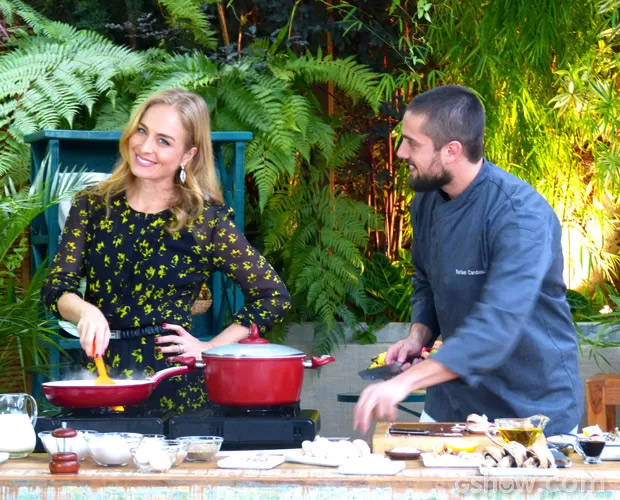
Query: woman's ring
[[181, 348]]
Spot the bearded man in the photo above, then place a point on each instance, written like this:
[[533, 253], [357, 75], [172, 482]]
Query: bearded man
[[488, 260]]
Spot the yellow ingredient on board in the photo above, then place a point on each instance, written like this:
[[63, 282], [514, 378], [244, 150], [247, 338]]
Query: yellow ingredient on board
[[378, 360], [458, 446]]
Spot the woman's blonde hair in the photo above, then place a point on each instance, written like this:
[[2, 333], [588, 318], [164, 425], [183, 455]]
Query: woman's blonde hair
[[201, 178]]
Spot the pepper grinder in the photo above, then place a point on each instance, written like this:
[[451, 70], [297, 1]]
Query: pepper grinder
[[64, 462]]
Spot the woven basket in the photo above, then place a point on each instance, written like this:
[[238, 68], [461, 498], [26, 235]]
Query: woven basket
[[201, 306], [203, 302]]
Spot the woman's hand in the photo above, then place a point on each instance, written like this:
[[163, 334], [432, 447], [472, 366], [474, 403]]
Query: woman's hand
[[93, 329], [182, 343]]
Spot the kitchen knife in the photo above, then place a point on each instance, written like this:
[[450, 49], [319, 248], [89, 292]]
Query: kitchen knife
[[381, 372]]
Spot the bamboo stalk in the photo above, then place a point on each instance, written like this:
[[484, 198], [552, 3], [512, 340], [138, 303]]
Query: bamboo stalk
[[221, 14]]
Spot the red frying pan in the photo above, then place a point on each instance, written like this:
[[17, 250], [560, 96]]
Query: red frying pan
[[85, 394]]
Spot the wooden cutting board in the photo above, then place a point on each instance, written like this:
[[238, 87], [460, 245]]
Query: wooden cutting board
[[440, 432]]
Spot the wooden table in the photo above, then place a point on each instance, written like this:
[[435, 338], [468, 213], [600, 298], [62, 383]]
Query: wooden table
[[29, 478]]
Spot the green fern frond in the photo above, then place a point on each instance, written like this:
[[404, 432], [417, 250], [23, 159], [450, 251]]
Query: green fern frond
[[12, 8], [321, 134], [113, 116], [353, 78], [14, 161], [188, 14], [346, 149], [60, 31]]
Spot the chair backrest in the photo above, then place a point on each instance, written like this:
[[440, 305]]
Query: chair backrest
[[97, 152]]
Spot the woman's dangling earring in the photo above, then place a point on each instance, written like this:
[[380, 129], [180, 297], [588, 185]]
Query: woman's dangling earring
[[182, 174]]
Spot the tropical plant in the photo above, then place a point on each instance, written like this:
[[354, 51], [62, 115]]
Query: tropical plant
[[188, 14], [389, 282], [48, 80], [25, 334], [269, 91], [319, 236]]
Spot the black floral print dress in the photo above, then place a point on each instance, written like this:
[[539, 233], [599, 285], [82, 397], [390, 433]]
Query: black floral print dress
[[139, 274]]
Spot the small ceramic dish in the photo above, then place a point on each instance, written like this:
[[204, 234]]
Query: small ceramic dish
[[403, 453]]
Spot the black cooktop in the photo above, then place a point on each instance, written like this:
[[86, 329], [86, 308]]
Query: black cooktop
[[251, 431], [242, 428]]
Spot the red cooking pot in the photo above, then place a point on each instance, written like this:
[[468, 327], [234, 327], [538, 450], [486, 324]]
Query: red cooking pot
[[254, 372]]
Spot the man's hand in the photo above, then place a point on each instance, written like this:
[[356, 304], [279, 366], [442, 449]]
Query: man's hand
[[378, 402], [409, 351], [401, 351], [93, 329]]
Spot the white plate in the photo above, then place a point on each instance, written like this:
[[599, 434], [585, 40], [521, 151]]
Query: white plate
[[516, 471], [298, 458], [371, 468], [257, 461], [239, 453], [4, 456], [474, 460]]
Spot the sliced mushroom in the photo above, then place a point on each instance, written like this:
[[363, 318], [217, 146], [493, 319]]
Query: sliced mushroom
[[542, 455], [492, 455], [517, 451], [531, 463]]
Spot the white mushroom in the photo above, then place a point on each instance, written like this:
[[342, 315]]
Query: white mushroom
[[492, 455], [517, 451], [362, 447], [541, 456]]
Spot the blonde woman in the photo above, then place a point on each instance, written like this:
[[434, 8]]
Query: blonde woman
[[146, 239]]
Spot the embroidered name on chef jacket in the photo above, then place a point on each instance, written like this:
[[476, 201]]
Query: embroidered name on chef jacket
[[470, 272]]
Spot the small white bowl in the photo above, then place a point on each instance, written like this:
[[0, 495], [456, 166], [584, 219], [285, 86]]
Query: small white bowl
[[202, 448], [155, 456], [113, 448]]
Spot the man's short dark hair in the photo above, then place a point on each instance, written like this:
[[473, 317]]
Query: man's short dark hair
[[453, 113]]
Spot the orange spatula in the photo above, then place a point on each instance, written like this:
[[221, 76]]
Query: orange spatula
[[103, 378]]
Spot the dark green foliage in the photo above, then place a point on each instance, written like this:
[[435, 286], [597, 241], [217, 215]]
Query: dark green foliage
[[23, 331], [390, 284]]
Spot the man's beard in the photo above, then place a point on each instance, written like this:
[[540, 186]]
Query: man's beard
[[429, 181]]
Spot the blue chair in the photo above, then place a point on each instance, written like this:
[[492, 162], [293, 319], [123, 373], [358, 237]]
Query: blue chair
[[97, 151]]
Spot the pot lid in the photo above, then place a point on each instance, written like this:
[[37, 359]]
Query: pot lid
[[254, 347], [267, 351]]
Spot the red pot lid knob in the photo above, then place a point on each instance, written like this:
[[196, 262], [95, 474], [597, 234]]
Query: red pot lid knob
[[254, 337], [64, 432]]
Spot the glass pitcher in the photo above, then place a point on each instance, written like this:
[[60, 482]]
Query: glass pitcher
[[522, 430], [17, 425]]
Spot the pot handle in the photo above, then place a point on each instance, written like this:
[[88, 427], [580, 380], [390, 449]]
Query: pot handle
[[317, 361], [189, 361]]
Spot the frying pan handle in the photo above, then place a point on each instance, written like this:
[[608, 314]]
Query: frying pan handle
[[317, 361], [188, 361], [157, 377]]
